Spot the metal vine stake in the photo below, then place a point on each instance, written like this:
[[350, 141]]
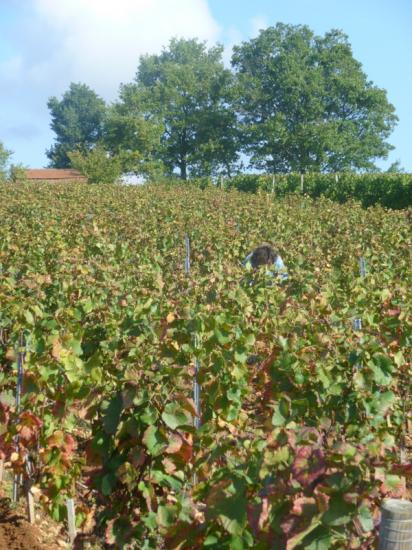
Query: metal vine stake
[[196, 385], [357, 323]]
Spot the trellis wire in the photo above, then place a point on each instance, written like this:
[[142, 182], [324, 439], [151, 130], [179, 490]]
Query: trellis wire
[[20, 368], [196, 385]]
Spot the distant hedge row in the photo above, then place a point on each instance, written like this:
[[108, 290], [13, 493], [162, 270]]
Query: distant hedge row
[[390, 190]]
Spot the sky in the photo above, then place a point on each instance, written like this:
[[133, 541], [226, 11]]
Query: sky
[[46, 44]]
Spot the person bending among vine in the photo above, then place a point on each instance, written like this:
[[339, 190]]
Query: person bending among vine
[[266, 255]]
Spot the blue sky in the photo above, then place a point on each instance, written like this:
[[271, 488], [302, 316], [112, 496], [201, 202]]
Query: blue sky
[[46, 44]]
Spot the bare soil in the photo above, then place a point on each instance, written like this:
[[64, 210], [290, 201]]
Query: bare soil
[[16, 533]]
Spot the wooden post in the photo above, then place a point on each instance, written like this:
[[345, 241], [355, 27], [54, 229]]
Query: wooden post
[[273, 183], [17, 480], [395, 532], [29, 502], [302, 177], [71, 519]]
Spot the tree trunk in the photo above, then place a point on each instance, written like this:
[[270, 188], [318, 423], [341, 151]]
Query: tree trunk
[[183, 170]]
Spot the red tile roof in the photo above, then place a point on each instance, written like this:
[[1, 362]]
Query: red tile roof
[[54, 174]]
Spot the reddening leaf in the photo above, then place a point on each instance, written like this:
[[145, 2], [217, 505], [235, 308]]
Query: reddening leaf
[[175, 444], [308, 465], [57, 349], [304, 506]]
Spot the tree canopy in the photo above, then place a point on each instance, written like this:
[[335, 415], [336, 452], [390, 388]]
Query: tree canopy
[[97, 165], [188, 88], [306, 105], [78, 122], [133, 134], [293, 101]]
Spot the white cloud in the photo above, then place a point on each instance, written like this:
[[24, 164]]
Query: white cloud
[[232, 38], [257, 23], [99, 41]]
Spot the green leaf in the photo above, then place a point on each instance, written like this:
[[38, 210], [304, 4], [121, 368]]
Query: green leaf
[[249, 340], [149, 415], [75, 346], [166, 516], [231, 512], [221, 338], [108, 483], [112, 417], [210, 540], [281, 413], [236, 543], [382, 368], [319, 539], [174, 416], [339, 512], [365, 518], [154, 441], [29, 317]]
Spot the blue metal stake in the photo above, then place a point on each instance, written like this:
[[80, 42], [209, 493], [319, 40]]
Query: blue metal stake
[[196, 385], [357, 323]]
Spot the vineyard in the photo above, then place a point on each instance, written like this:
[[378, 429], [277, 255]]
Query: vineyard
[[295, 449], [389, 190]]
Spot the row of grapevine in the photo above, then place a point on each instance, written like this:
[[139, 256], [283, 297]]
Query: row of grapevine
[[295, 451], [389, 190]]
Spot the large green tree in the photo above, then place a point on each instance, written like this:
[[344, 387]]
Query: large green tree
[[133, 133], [188, 88], [77, 120], [306, 105]]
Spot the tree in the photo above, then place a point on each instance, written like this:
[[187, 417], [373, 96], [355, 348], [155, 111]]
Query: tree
[[18, 173], [133, 135], [306, 105], [98, 165], [396, 168], [5, 155], [77, 120], [188, 88]]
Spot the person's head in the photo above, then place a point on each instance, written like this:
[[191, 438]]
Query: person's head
[[263, 255]]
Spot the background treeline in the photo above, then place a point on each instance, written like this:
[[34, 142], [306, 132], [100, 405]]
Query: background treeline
[[291, 101]]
